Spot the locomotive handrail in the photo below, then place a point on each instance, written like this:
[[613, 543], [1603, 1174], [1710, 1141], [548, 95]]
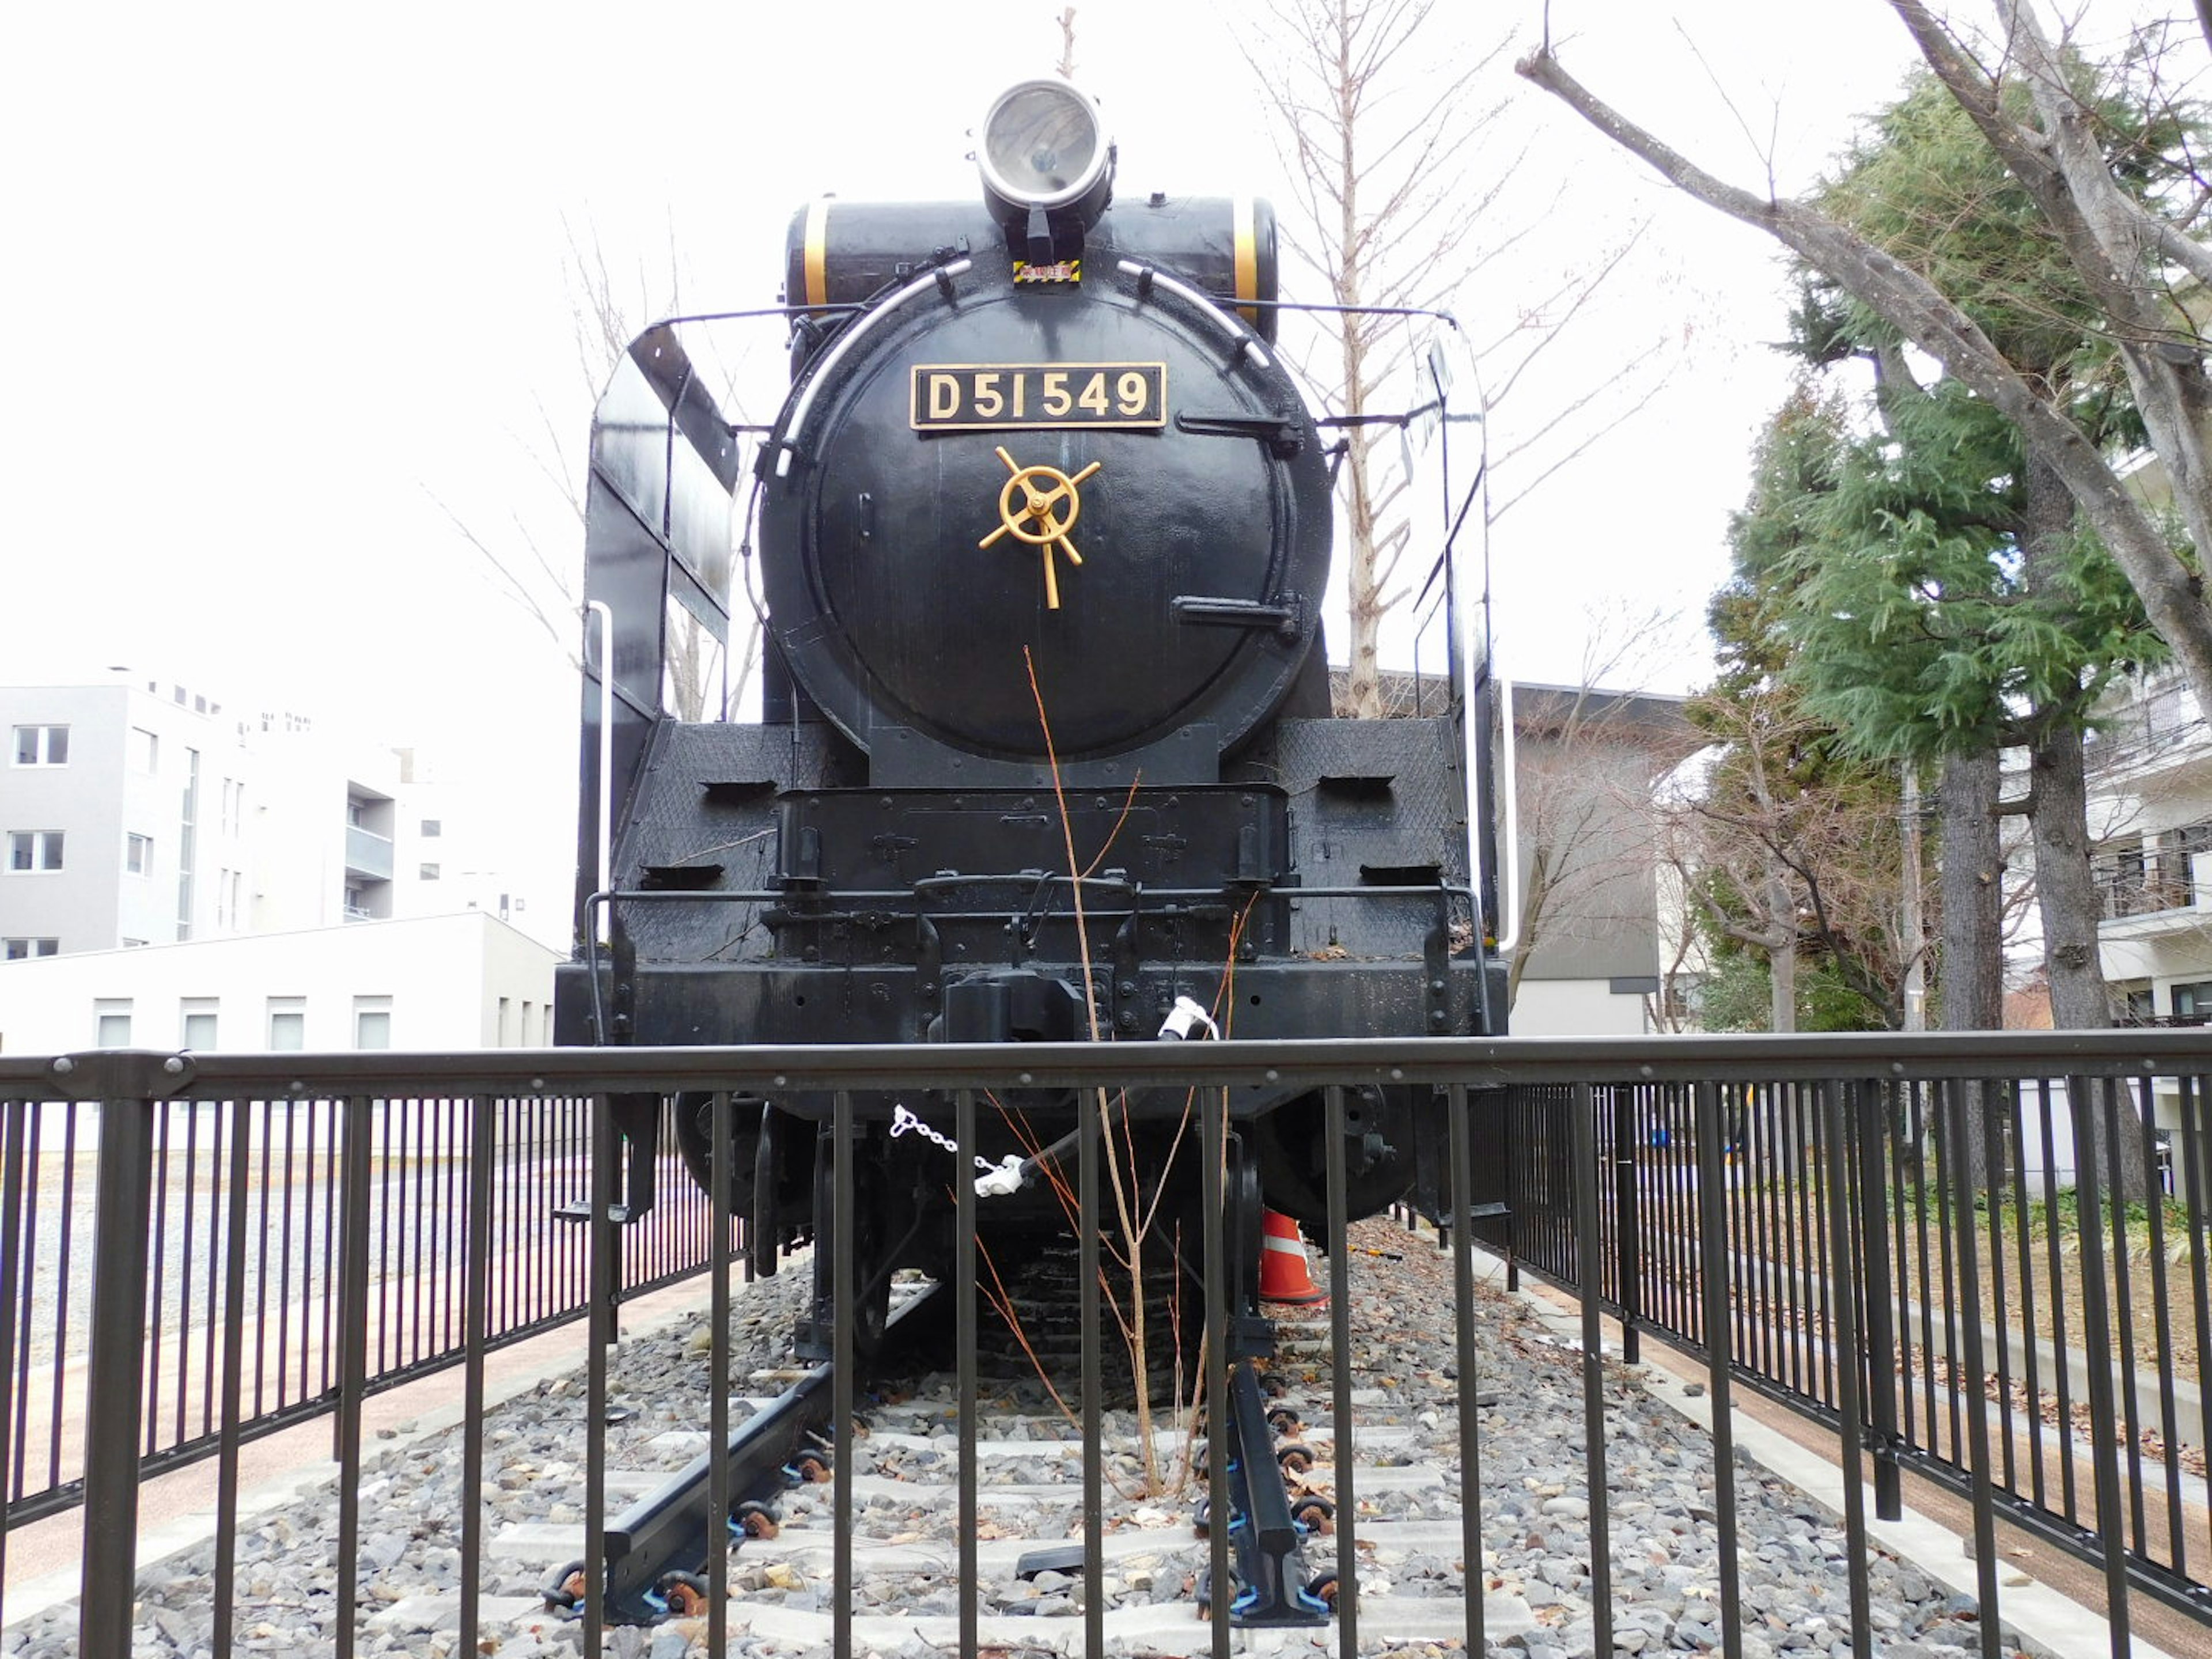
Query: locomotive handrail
[[940, 275], [605, 612], [1509, 933], [1148, 277]]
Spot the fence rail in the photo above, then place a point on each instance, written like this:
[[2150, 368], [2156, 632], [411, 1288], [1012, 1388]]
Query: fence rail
[[277, 1235]]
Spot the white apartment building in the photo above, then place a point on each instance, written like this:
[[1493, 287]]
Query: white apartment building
[[139, 812], [465, 980], [2150, 809], [176, 873], [2150, 780]]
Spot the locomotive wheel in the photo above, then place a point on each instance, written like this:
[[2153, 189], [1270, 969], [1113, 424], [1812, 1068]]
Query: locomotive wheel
[[789, 1183], [1292, 1145]]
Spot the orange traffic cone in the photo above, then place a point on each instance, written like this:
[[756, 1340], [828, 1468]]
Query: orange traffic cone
[[1283, 1275]]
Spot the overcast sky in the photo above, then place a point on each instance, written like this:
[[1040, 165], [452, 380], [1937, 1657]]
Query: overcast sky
[[288, 285]]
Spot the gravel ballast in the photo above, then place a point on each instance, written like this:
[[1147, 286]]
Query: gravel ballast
[[1536, 1513]]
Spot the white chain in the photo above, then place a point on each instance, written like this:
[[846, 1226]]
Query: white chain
[[998, 1179]]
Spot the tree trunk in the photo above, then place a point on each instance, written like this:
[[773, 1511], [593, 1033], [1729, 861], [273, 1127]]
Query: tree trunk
[[1970, 975], [1911, 924], [2065, 893], [1782, 957]]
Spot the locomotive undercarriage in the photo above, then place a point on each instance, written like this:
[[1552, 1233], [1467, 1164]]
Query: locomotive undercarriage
[[1308, 898]]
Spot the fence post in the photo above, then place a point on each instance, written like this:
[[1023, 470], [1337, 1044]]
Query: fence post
[[1869, 1125], [1628, 1223], [114, 1383]]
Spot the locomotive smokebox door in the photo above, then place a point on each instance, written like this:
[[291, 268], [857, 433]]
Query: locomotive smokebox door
[[995, 504]]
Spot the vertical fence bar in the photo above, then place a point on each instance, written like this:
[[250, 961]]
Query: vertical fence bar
[[1088, 1117], [843, 1292], [1951, 1151], [1996, 1117], [844, 1284], [1627, 1225], [1584, 1127], [2097, 1348], [2109, 1095], [1339, 1324], [123, 1205], [1213, 1117], [14, 1279], [2060, 1371], [965, 1334], [65, 1224], [1836, 1158], [157, 1279], [1712, 1250], [354, 1362], [1474, 1581], [475, 1325], [2196, 1159], [1970, 1369], [2169, 1424], [600, 1232], [722, 1175], [187, 1263], [234, 1374], [2031, 1344], [1875, 1122]]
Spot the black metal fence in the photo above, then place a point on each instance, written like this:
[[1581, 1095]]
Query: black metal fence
[[273, 1234], [248, 1228], [2017, 1263]]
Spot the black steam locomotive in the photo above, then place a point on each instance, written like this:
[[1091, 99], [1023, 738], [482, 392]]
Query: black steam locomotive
[[1043, 529]]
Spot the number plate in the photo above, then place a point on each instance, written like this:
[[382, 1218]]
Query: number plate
[[995, 397]]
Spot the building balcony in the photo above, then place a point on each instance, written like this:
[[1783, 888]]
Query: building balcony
[[367, 854]]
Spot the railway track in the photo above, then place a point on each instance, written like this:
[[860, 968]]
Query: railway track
[[903, 1487]]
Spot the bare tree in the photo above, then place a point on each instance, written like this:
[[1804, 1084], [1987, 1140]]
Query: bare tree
[[1066, 67], [1786, 865], [541, 572], [2130, 255], [1377, 116]]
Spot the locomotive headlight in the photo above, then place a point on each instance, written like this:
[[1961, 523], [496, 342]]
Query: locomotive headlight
[[1045, 149]]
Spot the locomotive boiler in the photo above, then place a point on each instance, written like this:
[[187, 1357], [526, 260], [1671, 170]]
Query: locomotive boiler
[[1038, 541]]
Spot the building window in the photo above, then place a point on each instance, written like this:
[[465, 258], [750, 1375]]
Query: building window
[[432, 829], [22, 950], [111, 1022], [371, 1022], [429, 872], [34, 849], [197, 1020], [145, 751], [42, 745], [138, 855], [288, 1023], [2193, 1002]]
